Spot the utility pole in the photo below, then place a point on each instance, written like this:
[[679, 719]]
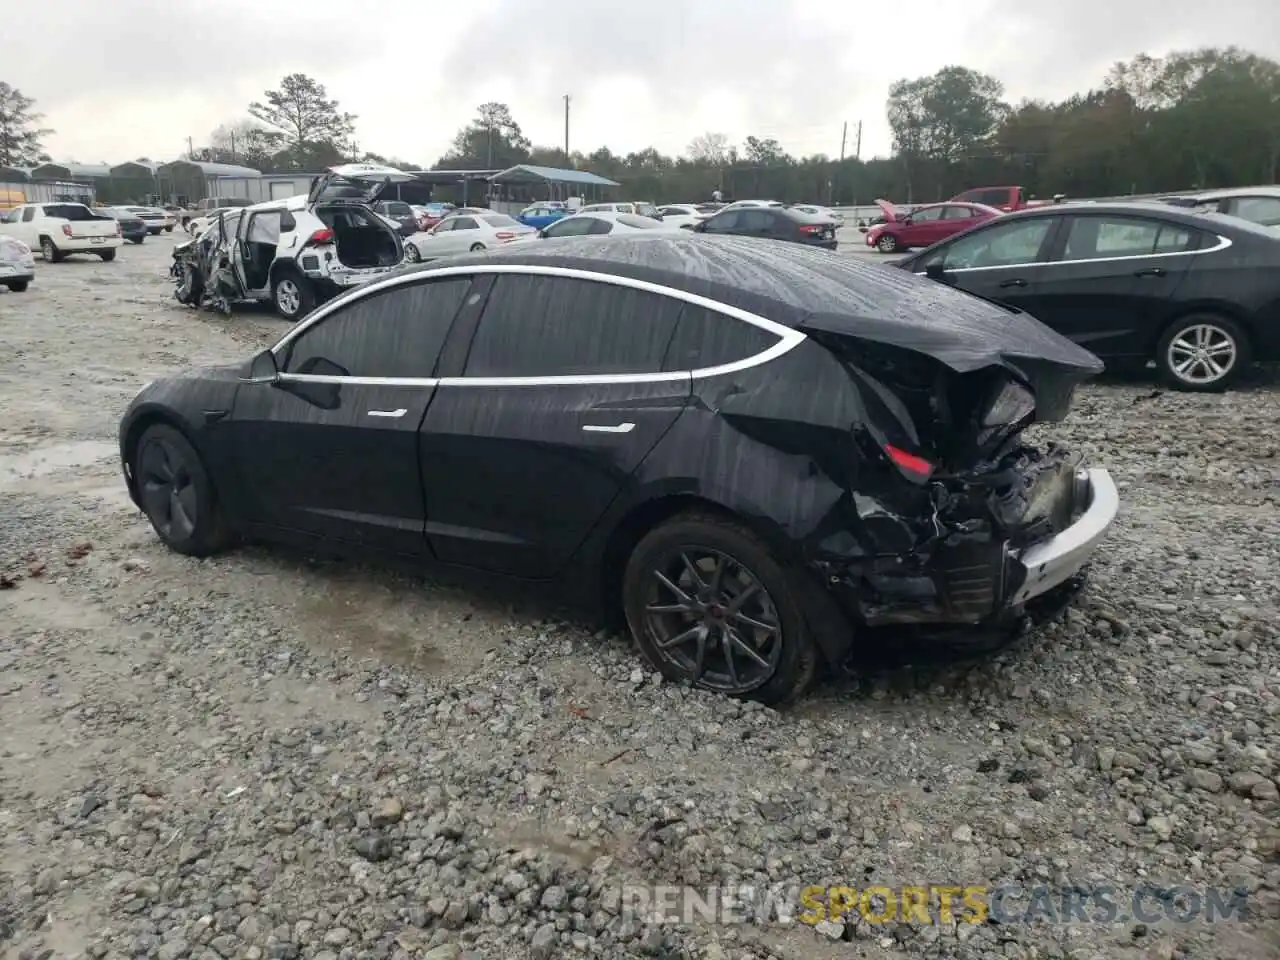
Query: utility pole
[[566, 131], [191, 150], [233, 146], [844, 135], [857, 155]]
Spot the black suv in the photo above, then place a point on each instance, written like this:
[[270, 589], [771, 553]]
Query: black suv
[[753, 451]]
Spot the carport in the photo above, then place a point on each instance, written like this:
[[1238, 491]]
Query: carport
[[526, 183], [468, 185]]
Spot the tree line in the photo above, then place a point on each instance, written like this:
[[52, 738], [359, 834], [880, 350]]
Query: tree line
[[1197, 119]]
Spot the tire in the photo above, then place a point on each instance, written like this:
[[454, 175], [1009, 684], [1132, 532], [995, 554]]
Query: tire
[[17, 286], [107, 255], [477, 247], [411, 254], [138, 240], [789, 654], [1222, 341], [50, 250], [887, 243], [171, 476], [292, 295], [169, 228]]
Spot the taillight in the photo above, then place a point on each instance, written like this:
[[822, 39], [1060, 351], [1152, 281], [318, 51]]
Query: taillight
[[909, 463], [321, 236], [811, 228], [505, 235], [66, 229]]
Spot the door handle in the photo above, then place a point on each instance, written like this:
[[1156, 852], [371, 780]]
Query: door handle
[[1013, 283], [608, 428], [388, 413], [1153, 272]]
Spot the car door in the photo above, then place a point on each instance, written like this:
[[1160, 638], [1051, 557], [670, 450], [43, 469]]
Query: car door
[[330, 447], [1111, 281], [561, 397], [1002, 261], [956, 218], [924, 230], [465, 234], [725, 222]]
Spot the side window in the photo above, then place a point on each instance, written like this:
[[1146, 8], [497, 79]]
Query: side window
[[536, 326], [396, 333], [572, 227], [1092, 238], [724, 222], [957, 213], [1004, 245], [28, 214], [754, 221], [465, 223], [265, 228], [600, 225], [992, 198], [1263, 210], [444, 226], [705, 338], [927, 216], [12, 216]]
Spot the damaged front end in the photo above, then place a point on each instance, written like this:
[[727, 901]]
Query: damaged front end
[[202, 272], [953, 518]]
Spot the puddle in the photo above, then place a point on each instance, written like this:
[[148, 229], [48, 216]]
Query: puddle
[[348, 617], [40, 462]]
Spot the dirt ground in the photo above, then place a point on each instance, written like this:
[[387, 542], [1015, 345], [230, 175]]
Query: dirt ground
[[262, 755]]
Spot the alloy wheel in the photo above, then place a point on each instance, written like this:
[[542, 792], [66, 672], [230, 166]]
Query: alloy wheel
[[48, 249], [1202, 354], [713, 620], [411, 253], [168, 490], [288, 297], [887, 244]]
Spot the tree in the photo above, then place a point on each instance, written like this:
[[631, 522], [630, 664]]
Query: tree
[[765, 152], [493, 140], [709, 149], [20, 130], [247, 143], [310, 123]]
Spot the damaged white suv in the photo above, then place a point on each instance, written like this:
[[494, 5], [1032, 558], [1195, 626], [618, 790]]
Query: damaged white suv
[[297, 252]]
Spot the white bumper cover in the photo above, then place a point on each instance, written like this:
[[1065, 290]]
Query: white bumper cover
[[1054, 561]]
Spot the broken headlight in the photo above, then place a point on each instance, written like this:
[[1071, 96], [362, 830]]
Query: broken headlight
[[1011, 409]]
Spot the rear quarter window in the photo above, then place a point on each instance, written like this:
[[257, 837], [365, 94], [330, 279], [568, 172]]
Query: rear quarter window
[[705, 338]]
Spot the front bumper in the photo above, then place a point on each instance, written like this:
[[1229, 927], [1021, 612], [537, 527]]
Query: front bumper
[[18, 269], [1051, 562]]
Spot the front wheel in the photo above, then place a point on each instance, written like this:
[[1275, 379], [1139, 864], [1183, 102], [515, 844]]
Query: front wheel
[[477, 247], [169, 228], [709, 606], [17, 286], [412, 254], [107, 255], [1202, 353], [887, 244], [137, 240], [176, 493], [292, 296]]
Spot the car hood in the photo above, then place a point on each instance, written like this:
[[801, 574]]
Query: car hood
[[891, 213]]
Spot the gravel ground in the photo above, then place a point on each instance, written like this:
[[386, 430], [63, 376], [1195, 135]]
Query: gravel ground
[[267, 756]]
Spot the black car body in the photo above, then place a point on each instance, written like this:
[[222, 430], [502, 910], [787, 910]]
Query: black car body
[[771, 223], [155, 219], [1197, 293], [608, 413], [132, 227], [401, 213]]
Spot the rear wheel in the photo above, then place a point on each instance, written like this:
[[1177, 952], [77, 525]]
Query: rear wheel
[[292, 295], [1202, 353], [887, 243], [17, 286], [169, 228], [709, 606], [176, 493], [108, 255], [50, 252], [137, 240]]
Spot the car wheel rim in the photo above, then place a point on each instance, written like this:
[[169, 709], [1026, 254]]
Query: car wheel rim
[[411, 253], [288, 297], [167, 490], [886, 244], [712, 620], [47, 249], [1202, 354]]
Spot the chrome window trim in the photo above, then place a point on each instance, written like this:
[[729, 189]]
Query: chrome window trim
[[1222, 244], [788, 337]]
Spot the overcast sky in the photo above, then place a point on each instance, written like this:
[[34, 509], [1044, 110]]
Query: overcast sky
[[143, 75]]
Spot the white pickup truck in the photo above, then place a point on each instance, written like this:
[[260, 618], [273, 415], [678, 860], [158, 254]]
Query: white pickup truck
[[59, 229]]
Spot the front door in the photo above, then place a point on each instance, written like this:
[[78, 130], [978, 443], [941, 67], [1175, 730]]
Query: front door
[[560, 399], [333, 443], [1001, 262], [1111, 280], [925, 228]]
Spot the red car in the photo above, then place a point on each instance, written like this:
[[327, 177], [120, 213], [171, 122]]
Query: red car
[[924, 226]]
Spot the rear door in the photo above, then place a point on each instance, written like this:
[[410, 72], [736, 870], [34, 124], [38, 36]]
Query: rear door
[[332, 446], [1111, 281], [560, 398], [956, 218]]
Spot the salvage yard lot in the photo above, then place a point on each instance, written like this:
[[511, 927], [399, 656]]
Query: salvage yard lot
[[267, 756]]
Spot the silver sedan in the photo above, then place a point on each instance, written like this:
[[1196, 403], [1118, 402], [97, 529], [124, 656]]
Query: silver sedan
[[464, 233]]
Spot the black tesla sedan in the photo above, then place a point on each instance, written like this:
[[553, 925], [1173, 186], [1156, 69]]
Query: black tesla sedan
[[751, 450], [1197, 293]]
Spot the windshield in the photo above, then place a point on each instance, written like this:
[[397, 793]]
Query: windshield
[[498, 220]]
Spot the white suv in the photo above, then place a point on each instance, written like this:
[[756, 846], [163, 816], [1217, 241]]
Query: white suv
[[297, 252]]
